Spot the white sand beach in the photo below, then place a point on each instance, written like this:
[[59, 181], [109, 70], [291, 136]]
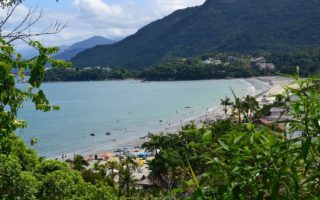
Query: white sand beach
[[275, 86]]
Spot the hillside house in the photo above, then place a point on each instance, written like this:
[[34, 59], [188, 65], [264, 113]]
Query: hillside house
[[212, 61], [279, 114], [255, 61], [262, 64], [266, 66], [232, 58]]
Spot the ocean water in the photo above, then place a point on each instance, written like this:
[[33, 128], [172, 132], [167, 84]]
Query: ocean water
[[127, 109]]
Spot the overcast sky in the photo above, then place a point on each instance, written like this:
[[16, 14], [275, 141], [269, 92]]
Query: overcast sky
[[108, 18]]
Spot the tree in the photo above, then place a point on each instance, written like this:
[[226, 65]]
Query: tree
[[78, 162], [14, 182], [126, 180], [225, 102], [237, 106], [12, 97], [112, 165], [23, 175], [251, 105]]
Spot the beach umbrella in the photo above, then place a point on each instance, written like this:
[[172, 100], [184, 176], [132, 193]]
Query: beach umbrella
[[106, 155], [143, 154]]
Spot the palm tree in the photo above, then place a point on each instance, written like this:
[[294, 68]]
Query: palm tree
[[126, 179], [237, 106], [112, 165], [225, 102], [102, 169], [78, 162], [130, 163], [96, 166], [254, 106], [251, 105]]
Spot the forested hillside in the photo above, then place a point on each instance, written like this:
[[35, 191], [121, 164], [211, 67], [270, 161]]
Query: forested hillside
[[242, 26]]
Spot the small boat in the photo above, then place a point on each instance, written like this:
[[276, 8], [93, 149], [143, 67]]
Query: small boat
[[108, 133], [92, 134], [187, 107]]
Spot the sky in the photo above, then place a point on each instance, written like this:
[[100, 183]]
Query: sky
[[113, 19]]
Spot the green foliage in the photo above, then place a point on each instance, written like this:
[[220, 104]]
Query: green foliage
[[78, 162], [126, 179], [96, 74], [49, 166], [286, 63], [10, 3], [98, 192], [91, 177], [174, 153], [60, 184], [195, 69], [14, 182], [225, 102], [12, 97], [23, 175], [228, 160]]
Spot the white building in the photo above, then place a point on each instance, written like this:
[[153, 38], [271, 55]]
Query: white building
[[212, 61], [279, 114], [261, 62], [266, 66]]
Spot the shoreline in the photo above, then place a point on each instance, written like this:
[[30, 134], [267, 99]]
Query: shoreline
[[274, 86]]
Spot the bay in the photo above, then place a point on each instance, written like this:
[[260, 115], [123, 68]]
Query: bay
[[127, 109]]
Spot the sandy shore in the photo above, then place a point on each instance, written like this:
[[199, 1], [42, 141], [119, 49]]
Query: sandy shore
[[274, 84]]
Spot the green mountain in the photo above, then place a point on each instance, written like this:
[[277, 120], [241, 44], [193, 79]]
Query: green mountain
[[244, 26]]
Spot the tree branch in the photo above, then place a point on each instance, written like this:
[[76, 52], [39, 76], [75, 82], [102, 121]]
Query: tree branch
[[22, 31]]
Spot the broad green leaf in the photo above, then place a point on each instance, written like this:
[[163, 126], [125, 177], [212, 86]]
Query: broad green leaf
[[223, 145], [305, 148], [237, 139], [207, 136]]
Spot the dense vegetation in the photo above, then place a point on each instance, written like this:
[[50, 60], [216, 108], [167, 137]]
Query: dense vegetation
[[237, 158], [286, 63], [241, 26], [196, 69], [233, 159], [178, 69], [90, 74], [23, 174]]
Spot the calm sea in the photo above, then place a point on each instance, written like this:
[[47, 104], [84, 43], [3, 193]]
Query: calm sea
[[127, 109]]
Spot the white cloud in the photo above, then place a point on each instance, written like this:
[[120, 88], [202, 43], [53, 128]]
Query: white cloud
[[169, 6], [97, 8], [109, 18]]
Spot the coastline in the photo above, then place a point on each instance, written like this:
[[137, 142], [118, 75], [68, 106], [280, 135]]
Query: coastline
[[274, 86]]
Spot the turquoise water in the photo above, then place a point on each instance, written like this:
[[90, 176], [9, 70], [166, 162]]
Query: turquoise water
[[127, 109]]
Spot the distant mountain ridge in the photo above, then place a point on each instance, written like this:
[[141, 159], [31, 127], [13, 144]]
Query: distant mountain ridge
[[243, 26], [68, 52]]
